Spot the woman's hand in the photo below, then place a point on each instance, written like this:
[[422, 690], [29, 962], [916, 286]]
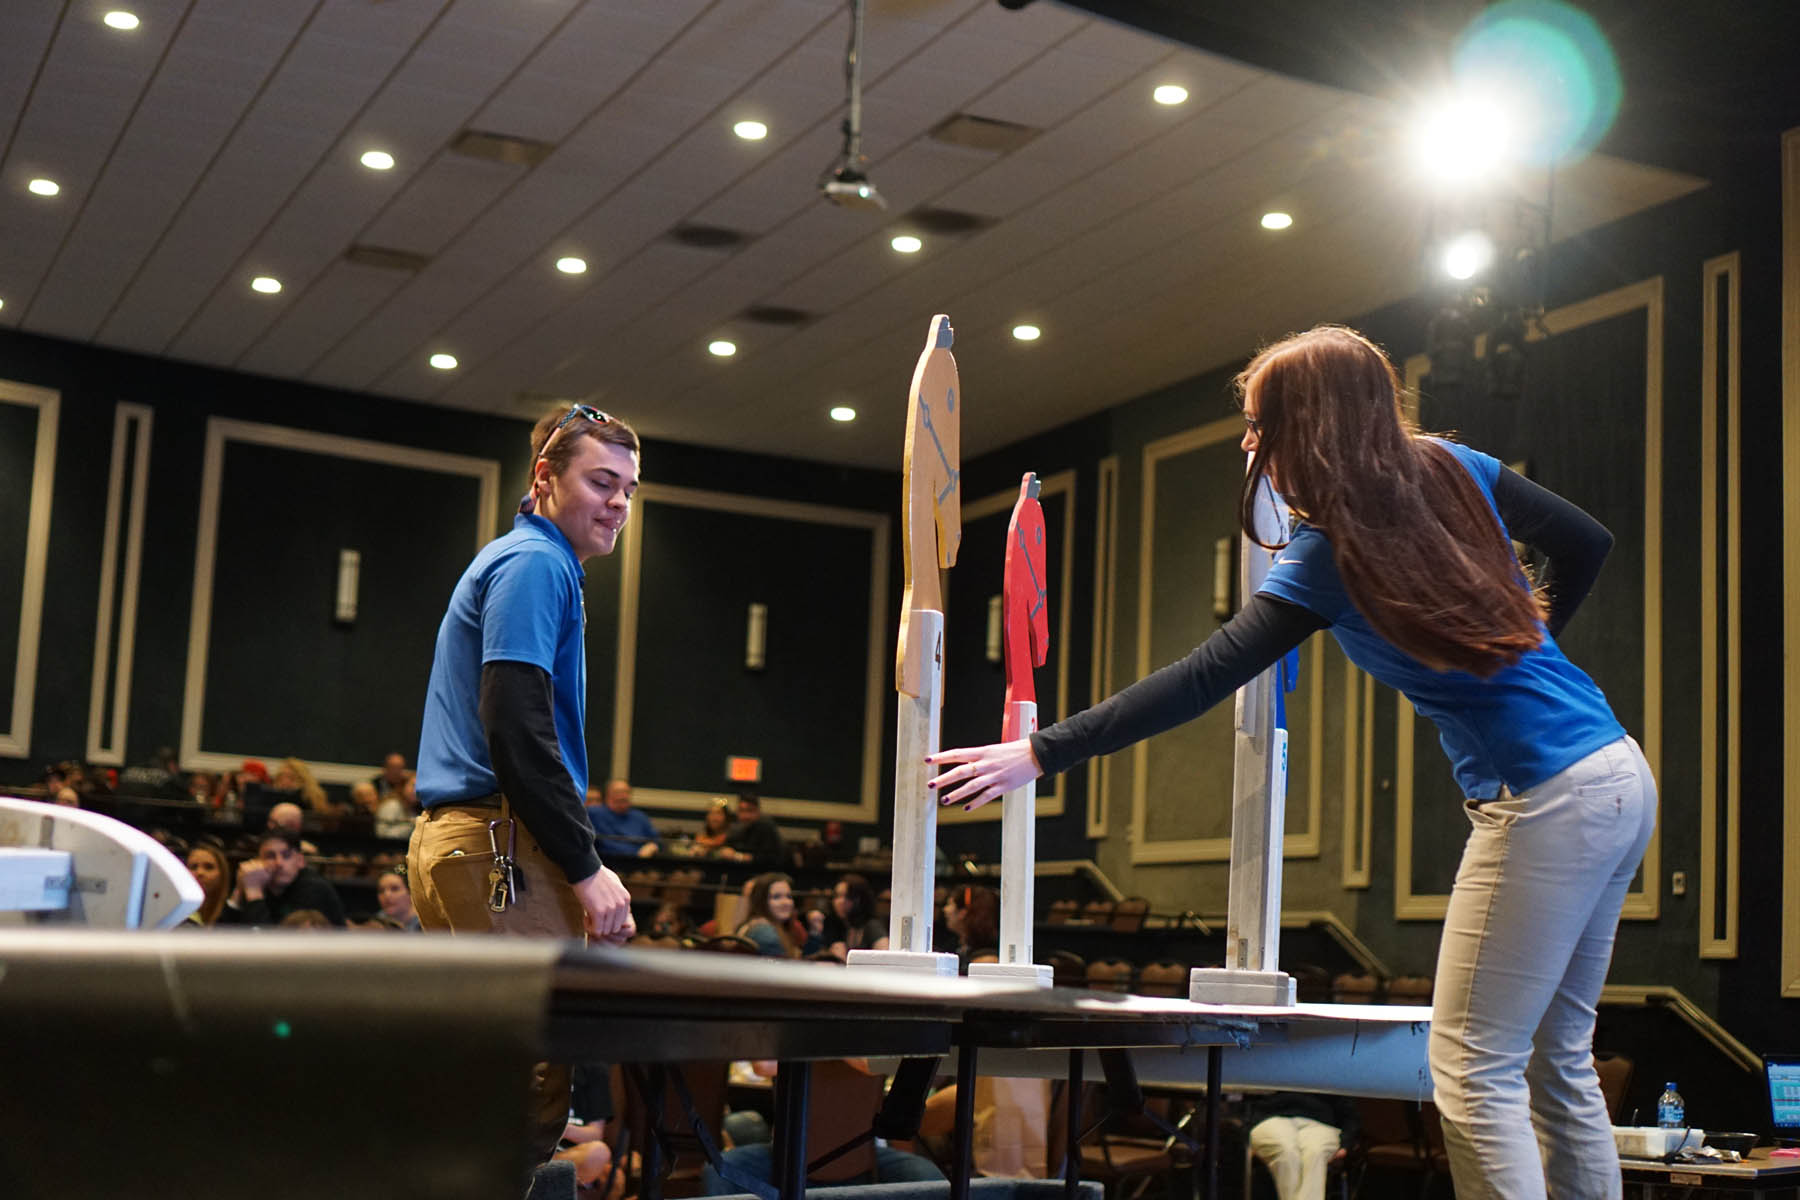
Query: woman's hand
[[985, 772]]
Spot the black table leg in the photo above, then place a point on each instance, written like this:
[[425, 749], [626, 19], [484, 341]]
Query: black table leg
[[1072, 1147], [654, 1102], [788, 1172], [1215, 1061], [965, 1123]]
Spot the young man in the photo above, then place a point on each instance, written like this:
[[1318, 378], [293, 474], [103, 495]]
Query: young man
[[277, 883], [504, 844]]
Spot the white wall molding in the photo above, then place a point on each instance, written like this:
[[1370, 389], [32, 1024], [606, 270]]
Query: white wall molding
[[1719, 864], [875, 668], [1106, 597], [16, 741], [119, 585], [219, 432]]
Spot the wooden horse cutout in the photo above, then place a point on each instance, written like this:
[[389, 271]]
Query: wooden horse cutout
[[931, 503], [1025, 638], [1024, 606], [931, 531]]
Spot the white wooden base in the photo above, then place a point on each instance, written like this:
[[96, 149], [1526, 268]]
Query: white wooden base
[[924, 962], [1040, 972], [1223, 985]]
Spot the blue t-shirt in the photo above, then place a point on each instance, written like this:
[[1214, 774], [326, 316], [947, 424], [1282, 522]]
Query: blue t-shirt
[[519, 601], [611, 828], [1518, 728]]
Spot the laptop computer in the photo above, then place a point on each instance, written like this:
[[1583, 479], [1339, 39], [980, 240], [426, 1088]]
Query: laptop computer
[[1782, 1074]]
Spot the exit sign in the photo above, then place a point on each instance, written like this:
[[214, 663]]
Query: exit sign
[[743, 770]]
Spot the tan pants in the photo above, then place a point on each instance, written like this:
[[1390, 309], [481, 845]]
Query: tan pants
[[447, 867]]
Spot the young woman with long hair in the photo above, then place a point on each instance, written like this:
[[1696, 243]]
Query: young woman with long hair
[[770, 923], [1402, 550]]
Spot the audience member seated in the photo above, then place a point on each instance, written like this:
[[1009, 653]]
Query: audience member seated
[[845, 1097], [770, 924], [159, 777], [229, 791], [973, 914], [288, 817], [296, 776], [754, 839], [623, 830], [1298, 1136], [211, 869], [393, 775], [670, 922], [398, 809], [715, 827], [396, 903], [364, 799], [306, 918], [201, 786], [278, 882], [852, 924], [832, 846]]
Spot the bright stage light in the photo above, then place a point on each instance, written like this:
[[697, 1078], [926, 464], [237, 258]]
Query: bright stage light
[[1468, 255], [1464, 140]]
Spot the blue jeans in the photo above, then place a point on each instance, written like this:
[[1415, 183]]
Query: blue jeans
[[1527, 940], [758, 1160]]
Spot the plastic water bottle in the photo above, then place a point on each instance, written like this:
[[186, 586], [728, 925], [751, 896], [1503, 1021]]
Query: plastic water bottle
[[1671, 1113]]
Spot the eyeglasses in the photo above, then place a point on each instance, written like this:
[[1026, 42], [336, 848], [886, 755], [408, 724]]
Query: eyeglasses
[[1253, 424], [586, 412]]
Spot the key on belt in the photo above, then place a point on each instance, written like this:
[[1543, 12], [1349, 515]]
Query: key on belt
[[502, 890]]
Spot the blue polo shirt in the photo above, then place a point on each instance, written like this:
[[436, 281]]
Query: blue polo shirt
[[1529, 721], [519, 601]]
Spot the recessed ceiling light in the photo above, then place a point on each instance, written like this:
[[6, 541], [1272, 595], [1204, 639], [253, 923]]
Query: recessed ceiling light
[[843, 412], [1170, 93], [570, 265], [378, 160], [1276, 220], [120, 19], [751, 131], [268, 285], [722, 348], [44, 187], [1027, 333], [443, 362], [2, 304], [906, 243]]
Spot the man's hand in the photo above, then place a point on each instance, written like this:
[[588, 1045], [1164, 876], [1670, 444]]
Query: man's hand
[[252, 876], [608, 906]]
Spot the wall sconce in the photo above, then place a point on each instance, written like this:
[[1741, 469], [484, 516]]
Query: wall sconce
[[993, 630], [756, 636], [349, 575], [1224, 576]]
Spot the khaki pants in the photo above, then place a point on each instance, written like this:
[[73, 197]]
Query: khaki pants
[[447, 867]]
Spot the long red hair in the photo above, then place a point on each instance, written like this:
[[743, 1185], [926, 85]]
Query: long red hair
[[1420, 552]]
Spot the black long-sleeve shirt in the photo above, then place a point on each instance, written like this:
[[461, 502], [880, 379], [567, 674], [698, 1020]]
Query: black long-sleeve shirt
[[1266, 628], [518, 715]]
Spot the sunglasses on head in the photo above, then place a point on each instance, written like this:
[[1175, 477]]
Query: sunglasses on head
[[586, 412]]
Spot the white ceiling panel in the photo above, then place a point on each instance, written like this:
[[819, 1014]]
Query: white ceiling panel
[[300, 329]]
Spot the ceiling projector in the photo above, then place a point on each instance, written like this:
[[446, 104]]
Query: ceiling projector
[[847, 187]]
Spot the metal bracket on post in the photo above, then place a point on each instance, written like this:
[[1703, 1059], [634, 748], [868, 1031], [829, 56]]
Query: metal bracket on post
[[1251, 974]]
